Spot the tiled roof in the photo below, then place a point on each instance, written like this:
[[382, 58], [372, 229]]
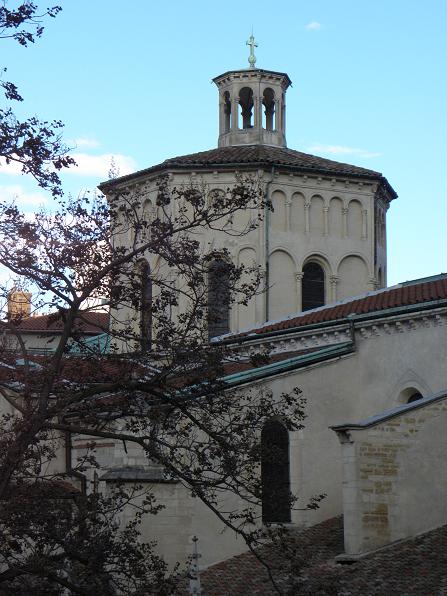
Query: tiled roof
[[415, 566], [405, 294], [260, 155], [88, 322]]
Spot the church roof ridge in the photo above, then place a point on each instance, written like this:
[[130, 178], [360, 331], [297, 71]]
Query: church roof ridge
[[258, 155]]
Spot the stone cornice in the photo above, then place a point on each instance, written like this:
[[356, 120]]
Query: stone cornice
[[329, 335]]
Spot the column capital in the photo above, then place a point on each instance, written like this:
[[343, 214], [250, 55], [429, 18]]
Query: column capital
[[334, 279], [299, 276]]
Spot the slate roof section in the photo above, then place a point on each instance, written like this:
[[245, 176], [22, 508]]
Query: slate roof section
[[419, 292], [259, 156], [89, 322], [416, 566]]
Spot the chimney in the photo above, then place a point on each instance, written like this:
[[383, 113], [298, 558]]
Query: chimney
[[19, 304]]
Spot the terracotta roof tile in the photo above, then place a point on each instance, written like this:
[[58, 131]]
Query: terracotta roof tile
[[88, 322], [259, 155], [405, 294], [414, 566]]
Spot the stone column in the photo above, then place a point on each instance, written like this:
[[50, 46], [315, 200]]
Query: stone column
[[277, 115], [373, 284], [333, 281], [326, 220], [261, 299], [256, 117], [288, 214], [234, 107], [221, 116], [299, 290], [283, 115], [364, 224], [344, 212], [306, 217]]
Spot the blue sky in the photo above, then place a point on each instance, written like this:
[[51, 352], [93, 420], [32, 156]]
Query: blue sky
[[133, 80]]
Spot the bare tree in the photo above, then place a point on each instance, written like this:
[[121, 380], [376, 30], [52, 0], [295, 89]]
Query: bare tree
[[169, 398], [35, 145]]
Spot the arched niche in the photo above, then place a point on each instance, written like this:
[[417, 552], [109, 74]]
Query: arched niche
[[144, 289], [247, 312], [278, 217], [226, 100], [215, 199], [275, 473], [148, 215], [355, 220], [313, 285], [410, 394], [246, 108], [282, 285], [268, 112], [298, 217], [352, 276], [316, 216], [218, 297], [336, 217], [215, 195]]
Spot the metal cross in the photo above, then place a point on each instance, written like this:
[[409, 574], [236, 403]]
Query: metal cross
[[252, 58]]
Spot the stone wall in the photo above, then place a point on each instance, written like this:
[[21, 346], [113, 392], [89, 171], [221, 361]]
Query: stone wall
[[395, 474]]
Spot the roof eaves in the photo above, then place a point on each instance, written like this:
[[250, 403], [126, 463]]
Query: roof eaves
[[255, 163], [420, 306], [388, 414], [289, 364]]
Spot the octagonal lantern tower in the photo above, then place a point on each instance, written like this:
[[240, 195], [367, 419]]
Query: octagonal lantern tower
[[252, 107]]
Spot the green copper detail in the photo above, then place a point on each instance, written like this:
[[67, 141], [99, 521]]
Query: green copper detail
[[252, 58]]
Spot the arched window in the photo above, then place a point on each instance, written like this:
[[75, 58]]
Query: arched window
[[414, 397], [246, 107], [268, 101], [275, 473], [145, 306], [218, 298], [312, 286], [227, 111]]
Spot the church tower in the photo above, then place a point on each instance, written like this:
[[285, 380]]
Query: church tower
[[326, 237], [252, 105]]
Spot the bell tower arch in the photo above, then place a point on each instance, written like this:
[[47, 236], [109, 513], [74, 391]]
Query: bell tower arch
[[252, 106]]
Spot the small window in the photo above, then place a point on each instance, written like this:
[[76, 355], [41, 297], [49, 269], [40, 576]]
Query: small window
[[275, 473], [145, 307], [218, 298], [414, 397], [312, 286]]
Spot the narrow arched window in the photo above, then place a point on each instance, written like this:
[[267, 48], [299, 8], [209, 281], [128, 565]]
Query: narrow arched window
[[275, 473], [145, 307], [268, 101], [218, 298], [246, 107], [227, 111], [312, 286]]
